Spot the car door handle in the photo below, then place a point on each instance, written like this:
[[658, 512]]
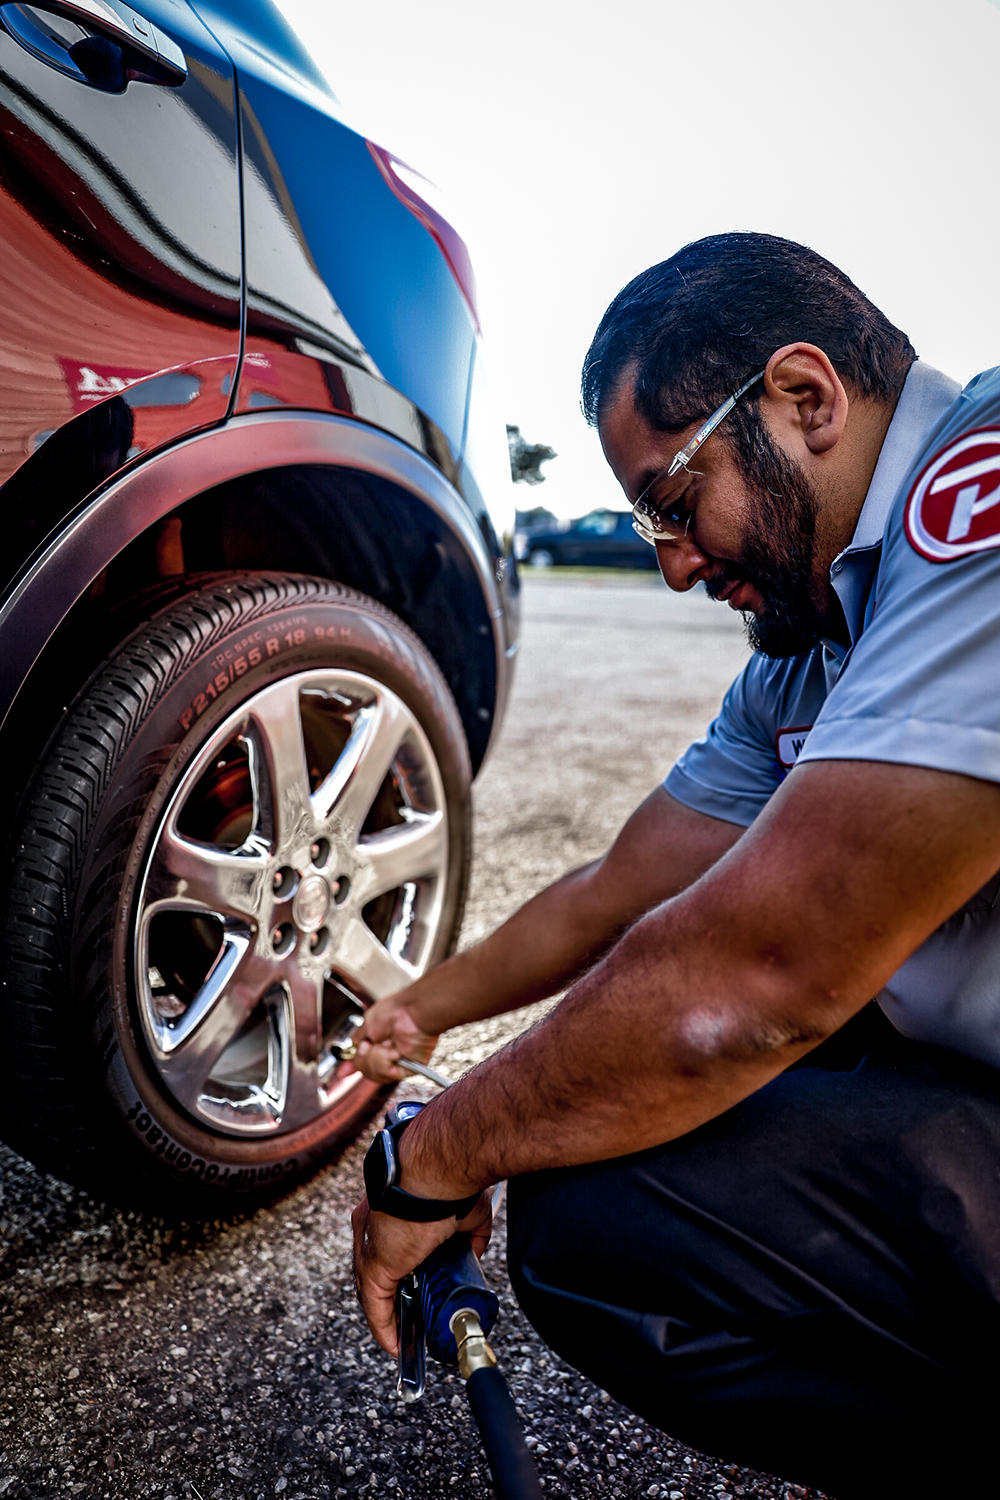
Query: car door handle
[[147, 55]]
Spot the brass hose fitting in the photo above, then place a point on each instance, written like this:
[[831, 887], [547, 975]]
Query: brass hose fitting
[[474, 1353]]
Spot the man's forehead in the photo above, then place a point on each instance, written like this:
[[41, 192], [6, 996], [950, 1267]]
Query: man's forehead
[[636, 452]]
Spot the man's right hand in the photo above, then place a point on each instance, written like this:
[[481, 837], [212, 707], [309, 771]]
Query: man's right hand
[[390, 1032]]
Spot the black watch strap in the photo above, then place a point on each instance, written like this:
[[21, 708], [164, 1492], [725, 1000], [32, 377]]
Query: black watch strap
[[386, 1197]]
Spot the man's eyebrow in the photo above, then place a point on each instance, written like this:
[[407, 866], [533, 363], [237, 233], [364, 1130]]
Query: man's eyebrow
[[646, 479], [649, 475]]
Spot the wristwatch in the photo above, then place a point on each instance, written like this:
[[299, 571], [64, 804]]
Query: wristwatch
[[382, 1177]]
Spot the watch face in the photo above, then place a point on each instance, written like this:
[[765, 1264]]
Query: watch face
[[379, 1167], [406, 1109], [401, 1113]]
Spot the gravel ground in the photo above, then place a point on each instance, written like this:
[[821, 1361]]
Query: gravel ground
[[228, 1361]]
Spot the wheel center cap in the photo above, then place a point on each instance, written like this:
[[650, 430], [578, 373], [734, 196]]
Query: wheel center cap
[[311, 904]]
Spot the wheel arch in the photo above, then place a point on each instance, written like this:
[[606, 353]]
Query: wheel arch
[[294, 491]]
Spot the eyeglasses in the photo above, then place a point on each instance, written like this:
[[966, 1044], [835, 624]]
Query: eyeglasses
[[658, 517]]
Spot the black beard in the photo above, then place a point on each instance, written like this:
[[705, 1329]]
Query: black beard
[[778, 551]]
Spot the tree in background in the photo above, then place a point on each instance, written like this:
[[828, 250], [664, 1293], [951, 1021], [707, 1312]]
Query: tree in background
[[526, 459]]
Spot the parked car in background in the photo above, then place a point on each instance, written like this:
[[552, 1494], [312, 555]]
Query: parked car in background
[[601, 539], [258, 606]]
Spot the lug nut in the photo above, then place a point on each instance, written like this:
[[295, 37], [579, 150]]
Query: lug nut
[[283, 938]]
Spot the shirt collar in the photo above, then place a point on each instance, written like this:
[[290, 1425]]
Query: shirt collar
[[925, 397]]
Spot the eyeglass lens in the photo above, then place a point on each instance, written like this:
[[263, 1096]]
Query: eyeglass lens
[[660, 510]]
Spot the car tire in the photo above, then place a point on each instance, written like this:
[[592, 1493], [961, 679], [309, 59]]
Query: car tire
[[253, 821], [541, 557]]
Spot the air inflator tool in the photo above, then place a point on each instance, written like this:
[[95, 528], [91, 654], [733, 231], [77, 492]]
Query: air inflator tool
[[445, 1308]]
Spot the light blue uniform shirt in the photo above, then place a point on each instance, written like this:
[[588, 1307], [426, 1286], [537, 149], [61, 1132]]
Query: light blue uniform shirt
[[919, 683]]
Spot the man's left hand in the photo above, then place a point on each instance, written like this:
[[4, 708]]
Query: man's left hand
[[387, 1249]]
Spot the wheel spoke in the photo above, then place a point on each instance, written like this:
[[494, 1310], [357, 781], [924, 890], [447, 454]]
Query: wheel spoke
[[231, 990], [367, 965], [185, 874], [346, 794], [300, 1098], [405, 852], [273, 735]]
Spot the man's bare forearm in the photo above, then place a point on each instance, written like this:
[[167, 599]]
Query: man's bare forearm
[[543, 947], [711, 994], [708, 997], [559, 933], [628, 1059]]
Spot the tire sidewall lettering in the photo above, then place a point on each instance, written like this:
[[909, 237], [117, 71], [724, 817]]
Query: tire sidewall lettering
[[187, 1164], [226, 666]]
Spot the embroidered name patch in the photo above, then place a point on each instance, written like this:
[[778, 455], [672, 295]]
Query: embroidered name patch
[[788, 744], [954, 506]]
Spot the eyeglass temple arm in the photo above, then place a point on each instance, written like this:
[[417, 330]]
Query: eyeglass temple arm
[[683, 458]]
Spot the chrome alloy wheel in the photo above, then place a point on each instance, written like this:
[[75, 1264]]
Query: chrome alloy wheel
[[297, 873]]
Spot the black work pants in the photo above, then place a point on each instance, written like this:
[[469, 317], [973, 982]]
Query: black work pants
[[809, 1284]]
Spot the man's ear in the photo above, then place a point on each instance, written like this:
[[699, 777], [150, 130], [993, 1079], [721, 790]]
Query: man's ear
[[805, 396]]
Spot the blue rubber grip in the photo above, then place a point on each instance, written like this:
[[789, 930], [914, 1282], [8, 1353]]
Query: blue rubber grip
[[451, 1279]]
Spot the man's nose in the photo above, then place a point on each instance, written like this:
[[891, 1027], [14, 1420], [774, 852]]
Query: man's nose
[[682, 563]]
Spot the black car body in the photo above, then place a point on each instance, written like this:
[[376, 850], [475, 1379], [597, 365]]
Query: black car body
[[258, 603], [600, 539]]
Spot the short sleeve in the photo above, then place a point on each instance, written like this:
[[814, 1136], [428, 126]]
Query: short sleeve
[[733, 771], [922, 685]]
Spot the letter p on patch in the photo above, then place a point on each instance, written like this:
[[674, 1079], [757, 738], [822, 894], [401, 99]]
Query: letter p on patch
[[954, 506]]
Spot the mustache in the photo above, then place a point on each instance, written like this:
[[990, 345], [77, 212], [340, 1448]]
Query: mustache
[[720, 581]]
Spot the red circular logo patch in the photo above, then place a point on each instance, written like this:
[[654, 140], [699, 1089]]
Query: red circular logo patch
[[954, 507]]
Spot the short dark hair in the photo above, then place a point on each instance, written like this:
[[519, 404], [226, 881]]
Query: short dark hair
[[699, 324]]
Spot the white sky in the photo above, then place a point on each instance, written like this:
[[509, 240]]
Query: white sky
[[579, 141]]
